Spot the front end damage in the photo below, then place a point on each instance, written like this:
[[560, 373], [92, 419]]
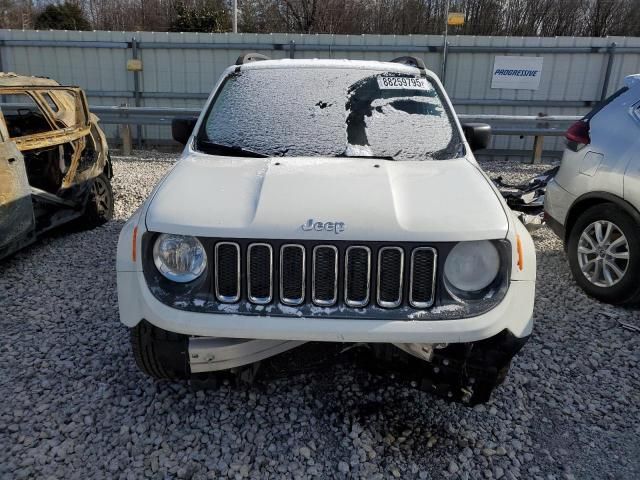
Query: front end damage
[[460, 372], [527, 199], [466, 373]]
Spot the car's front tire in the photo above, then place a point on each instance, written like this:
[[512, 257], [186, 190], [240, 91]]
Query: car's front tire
[[604, 254], [159, 353]]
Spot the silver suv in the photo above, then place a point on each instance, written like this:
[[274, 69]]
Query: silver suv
[[593, 203]]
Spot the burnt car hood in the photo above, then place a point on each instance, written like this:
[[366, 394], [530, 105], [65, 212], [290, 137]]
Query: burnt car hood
[[233, 197]]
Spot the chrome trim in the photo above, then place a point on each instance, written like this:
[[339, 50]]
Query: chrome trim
[[385, 304], [260, 300], [433, 280], [352, 303], [294, 301], [223, 298], [324, 303]]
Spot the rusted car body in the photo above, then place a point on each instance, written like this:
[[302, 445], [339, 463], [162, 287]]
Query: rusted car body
[[54, 161]]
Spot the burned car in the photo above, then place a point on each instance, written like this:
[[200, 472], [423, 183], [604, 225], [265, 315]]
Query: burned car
[[329, 201], [54, 161]]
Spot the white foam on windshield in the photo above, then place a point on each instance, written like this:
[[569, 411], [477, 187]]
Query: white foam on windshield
[[303, 112]]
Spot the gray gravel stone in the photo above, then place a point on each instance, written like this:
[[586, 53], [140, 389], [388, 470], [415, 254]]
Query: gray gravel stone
[[305, 452], [75, 406]]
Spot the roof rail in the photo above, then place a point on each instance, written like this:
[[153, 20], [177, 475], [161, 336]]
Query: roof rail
[[251, 57], [411, 61]]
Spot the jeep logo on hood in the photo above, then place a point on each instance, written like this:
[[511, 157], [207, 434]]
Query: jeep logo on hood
[[335, 227]]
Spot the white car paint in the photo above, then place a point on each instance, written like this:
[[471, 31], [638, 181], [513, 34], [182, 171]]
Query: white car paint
[[270, 198], [233, 197]]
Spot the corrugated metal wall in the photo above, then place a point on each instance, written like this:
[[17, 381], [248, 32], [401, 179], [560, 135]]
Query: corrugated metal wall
[[182, 76]]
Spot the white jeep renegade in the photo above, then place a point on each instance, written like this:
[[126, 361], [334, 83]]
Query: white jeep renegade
[[330, 201]]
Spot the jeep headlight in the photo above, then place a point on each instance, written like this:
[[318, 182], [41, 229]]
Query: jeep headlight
[[470, 268], [179, 258]]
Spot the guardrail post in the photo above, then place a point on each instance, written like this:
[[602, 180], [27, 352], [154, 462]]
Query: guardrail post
[[125, 136], [292, 49], [538, 142], [136, 89], [607, 75]]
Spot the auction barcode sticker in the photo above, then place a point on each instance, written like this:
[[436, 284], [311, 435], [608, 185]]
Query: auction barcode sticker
[[402, 83]]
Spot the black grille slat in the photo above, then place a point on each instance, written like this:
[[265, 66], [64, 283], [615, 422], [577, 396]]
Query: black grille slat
[[423, 264], [357, 276], [260, 273], [227, 272], [325, 279], [390, 272], [292, 274]]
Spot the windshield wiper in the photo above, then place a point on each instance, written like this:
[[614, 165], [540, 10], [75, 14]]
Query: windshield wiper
[[212, 147], [372, 157]]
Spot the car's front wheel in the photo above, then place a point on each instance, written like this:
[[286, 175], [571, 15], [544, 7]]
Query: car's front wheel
[[604, 254], [159, 353]]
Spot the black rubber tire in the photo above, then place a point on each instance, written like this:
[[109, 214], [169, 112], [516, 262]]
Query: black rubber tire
[[159, 353], [99, 207], [627, 290]]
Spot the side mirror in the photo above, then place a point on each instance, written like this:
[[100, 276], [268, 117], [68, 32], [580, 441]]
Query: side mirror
[[181, 129], [478, 135]]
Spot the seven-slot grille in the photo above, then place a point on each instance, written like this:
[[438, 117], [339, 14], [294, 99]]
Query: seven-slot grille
[[323, 275]]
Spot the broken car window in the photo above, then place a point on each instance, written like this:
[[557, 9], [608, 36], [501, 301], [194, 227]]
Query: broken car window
[[23, 115], [332, 112], [52, 105], [71, 111]]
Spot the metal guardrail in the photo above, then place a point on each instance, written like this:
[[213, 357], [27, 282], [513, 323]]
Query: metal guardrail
[[519, 125], [502, 124], [141, 115], [522, 125], [552, 125]]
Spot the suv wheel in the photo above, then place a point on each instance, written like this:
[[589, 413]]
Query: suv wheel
[[159, 353], [604, 254], [99, 207]]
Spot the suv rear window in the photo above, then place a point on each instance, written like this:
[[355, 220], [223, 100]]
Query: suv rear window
[[331, 112], [604, 103]]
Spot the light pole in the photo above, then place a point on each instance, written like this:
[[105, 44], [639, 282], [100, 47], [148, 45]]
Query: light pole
[[443, 69], [235, 16], [453, 19]]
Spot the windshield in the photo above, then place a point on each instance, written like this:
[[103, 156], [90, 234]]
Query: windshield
[[329, 112]]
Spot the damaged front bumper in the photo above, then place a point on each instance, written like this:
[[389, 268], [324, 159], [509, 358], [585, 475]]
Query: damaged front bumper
[[207, 354], [460, 372]]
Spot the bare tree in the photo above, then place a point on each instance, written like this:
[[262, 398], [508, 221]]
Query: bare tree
[[603, 17], [400, 17]]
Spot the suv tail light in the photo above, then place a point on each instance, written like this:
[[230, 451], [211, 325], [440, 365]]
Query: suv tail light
[[578, 135]]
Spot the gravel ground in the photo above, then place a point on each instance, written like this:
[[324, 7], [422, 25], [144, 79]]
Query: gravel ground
[[75, 406]]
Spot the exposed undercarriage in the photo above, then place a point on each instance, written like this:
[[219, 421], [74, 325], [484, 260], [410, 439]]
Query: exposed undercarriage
[[460, 372]]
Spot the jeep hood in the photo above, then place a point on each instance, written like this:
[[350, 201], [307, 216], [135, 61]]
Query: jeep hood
[[446, 200]]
